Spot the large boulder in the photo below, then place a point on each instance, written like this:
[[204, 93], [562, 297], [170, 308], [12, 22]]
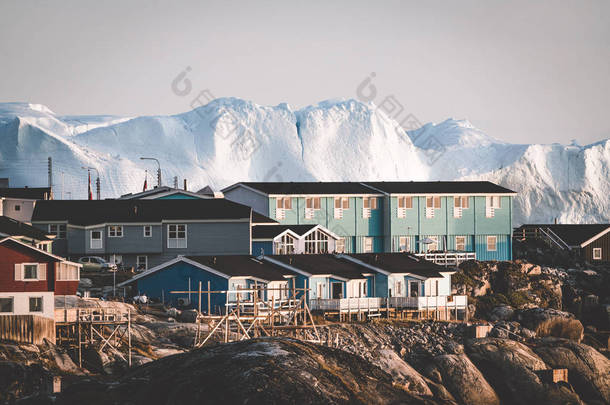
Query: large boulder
[[267, 370], [402, 372], [460, 377], [502, 313], [588, 370], [551, 322], [513, 370]]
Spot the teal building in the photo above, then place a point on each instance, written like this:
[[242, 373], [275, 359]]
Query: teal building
[[373, 217]]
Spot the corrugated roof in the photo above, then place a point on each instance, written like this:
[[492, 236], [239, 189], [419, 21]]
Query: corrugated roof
[[12, 227], [572, 234], [243, 266], [27, 193], [271, 231], [439, 187], [400, 263], [323, 264], [84, 212], [327, 187]]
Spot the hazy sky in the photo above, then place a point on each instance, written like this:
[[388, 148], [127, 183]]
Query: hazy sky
[[522, 72]]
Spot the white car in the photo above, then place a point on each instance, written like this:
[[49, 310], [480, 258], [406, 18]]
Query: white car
[[96, 263]]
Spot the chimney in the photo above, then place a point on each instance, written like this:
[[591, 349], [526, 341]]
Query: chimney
[[555, 220], [185, 189]]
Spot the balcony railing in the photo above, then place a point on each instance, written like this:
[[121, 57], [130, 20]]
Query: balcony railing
[[432, 302], [377, 304], [448, 258], [348, 305]]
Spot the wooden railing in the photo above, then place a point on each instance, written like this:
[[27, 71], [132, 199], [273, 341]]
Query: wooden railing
[[432, 302], [448, 258], [96, 315]]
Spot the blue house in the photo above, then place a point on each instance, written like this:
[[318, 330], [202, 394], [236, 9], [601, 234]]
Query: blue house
[[220, 273], [327, 276], [447, 221]]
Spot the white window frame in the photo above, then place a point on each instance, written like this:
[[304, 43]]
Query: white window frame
[[402, 206], [343, 205], [340, 245], [285, 245], [463, 244], [368, 204], [115, 231], [597, 254], [368, 240], [492, 203], [41, 305], [282, 204], [91, 240], [145, 228], [317, 242], [37, 278], [138, 263], [17, 207], [12, 299], [67, 272], [404, 241], [310, 206], [495, 243], [177, 240]]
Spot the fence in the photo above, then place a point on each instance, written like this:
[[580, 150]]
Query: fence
[[31, 329], [448, 258], [349, 305]]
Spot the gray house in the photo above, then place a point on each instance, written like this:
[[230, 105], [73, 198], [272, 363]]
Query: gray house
[[145, 233]]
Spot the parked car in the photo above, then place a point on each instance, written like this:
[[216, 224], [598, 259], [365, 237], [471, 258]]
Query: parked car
[[96, 263]]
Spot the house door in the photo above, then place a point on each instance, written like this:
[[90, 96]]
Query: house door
[[336, 290], [414, 287]]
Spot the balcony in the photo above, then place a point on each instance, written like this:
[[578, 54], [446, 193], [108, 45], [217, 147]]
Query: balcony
[[348, 305], [429, 303], [448, 258]]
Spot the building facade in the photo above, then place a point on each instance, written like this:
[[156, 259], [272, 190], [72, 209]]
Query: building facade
[[19, 202], [417, 217], [145, 233]]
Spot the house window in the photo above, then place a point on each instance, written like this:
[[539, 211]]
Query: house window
[[176, 236], [147, 231], [142, 263], [96, 239], [17, 207], [460, 243], [404, 244], [492, 203], [414, 287], [404, 203], [285, 246], [316, 242], [59, 230], [368, 204], [432, 203], [597, 253], [311, 204], [67, 272], [6, 304], [35, 304], [115, 231], [281, 205], [340, 245], [368, 244], [459, 203], [398, 287], [30, 271], [492, 242], [341, 203]]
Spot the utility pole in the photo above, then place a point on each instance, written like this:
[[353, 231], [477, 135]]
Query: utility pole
[[97, 181], [175, 181], [158, 169], [50, 170]]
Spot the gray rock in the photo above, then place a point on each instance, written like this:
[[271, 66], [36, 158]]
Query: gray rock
[[188, 316]]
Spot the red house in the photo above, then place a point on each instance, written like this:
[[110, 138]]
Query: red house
[[30, 278]]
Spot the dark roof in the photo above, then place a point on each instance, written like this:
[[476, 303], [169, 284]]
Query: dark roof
[[21, 246], [323, 264], [12, 227], [84, 212], [271, 231], [258, 218], [327, 187], [438, 187], [243, 266], [27, 193], [400, 263], [572, 234]]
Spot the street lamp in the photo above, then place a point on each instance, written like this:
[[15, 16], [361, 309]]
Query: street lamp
[[158, 168], [97, 181]]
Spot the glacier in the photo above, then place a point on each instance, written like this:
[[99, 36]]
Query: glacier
[[230, 140]]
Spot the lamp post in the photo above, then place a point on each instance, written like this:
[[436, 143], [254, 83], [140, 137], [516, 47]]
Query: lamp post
[[97, 180], [158, 168]]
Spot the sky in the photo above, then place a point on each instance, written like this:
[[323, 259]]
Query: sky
[[523, 72]]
